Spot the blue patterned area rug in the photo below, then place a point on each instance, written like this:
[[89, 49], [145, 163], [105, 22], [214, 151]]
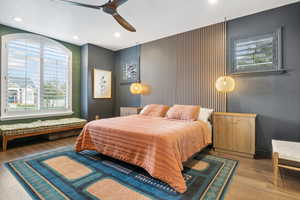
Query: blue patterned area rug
[[65, 174]]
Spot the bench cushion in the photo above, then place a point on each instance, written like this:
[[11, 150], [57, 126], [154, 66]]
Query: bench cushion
[[39, 126], [287, 150]]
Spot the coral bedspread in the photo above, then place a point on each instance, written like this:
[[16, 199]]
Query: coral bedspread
[[158, 145]]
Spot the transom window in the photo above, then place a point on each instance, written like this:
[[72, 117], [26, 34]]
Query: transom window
[[35, 77]]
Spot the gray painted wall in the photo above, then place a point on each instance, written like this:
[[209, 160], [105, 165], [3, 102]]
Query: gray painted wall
[[123, 95], [275, 98], [158, 69], [84, 82], [100, 58]]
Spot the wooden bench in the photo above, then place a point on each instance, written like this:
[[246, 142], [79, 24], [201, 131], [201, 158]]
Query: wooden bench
[[21, 130], [285, 155]]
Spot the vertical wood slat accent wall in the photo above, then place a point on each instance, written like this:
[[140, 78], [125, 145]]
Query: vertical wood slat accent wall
[[199, 58], [200, 61]]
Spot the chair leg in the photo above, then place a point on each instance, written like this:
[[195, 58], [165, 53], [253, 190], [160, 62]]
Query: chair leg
[[275, 168], [4, 143]]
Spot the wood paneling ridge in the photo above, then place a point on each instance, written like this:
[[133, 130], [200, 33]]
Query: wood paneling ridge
[[200, 61], [190, 63]]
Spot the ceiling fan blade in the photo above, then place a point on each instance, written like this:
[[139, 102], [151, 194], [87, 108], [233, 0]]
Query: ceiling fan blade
[[82, 4], [123, 22], [117, 3]]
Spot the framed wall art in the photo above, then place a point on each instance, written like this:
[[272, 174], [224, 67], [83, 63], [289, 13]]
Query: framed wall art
[[130, 73], [102, 84]]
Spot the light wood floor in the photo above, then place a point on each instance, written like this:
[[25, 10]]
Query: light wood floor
[[253, 180]]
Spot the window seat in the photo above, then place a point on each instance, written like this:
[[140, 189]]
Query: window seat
[[20, 130]]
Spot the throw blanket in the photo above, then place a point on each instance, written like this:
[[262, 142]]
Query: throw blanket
[[158, 145]]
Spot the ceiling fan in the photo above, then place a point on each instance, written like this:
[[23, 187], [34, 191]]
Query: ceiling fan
[[110, 8]]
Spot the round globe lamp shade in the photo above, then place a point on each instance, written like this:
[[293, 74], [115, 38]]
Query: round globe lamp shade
[[136, 88], [225, 84], [146, 89]]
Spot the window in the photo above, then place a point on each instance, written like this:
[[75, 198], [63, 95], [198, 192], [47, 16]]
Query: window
[[257, 54], [35, 77]]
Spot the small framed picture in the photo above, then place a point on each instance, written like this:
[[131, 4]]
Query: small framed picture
[[102, 81], [130, 73]]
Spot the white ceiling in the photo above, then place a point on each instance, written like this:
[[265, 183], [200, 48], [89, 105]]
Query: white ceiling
[[153, 19]]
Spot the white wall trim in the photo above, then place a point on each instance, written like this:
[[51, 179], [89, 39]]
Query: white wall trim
[[37, 115]]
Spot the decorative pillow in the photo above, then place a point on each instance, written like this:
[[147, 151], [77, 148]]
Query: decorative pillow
[[205, 114], [183, 112], [155, 110]]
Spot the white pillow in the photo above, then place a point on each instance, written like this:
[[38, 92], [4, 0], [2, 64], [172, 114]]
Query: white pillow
[[205, 114]]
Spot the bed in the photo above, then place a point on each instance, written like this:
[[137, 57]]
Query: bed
[[158, 145]]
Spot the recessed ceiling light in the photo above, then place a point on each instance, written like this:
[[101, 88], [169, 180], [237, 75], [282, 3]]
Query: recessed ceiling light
[[117, 35], [18, 19], [75, 37], [213, 1]]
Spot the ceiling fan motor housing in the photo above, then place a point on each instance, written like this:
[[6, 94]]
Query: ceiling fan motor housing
[[109, 10]]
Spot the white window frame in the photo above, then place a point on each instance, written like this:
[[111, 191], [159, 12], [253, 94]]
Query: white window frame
[[4, 67]]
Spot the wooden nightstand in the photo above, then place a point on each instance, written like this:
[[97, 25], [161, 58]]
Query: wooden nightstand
[[234, 133], [125, 111]]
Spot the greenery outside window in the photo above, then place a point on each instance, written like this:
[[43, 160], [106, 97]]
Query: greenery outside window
[[257, 54], [36, 77]]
